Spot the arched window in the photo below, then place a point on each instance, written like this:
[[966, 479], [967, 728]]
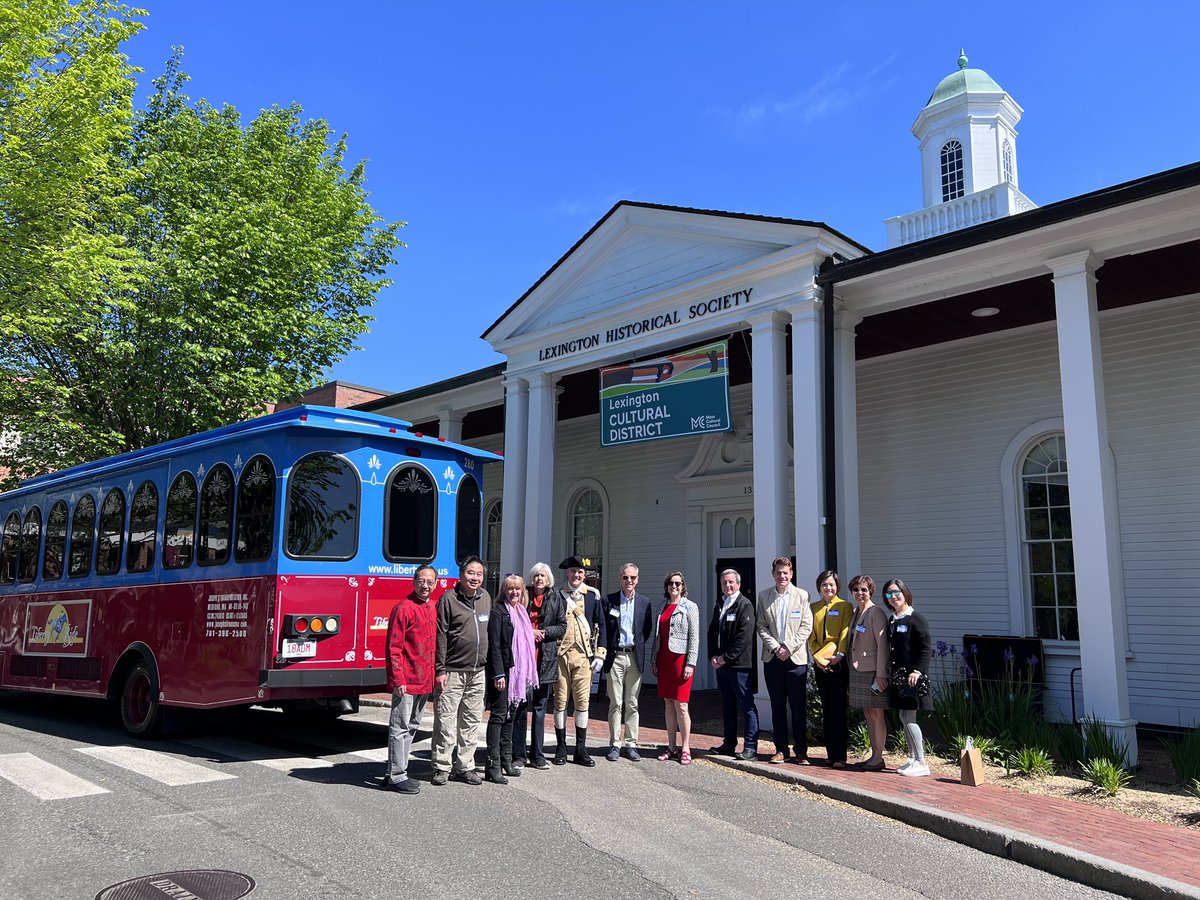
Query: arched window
[[466, 526], [55, 550], [31, 542], [11, 548], [952, 171], [491, 547], [587, 532], [216, 516], [410, 515], [1046, 535], [179, 533], [143, 528], [255, 511], [1007, 159], [322, 508], [83, 533], [112, 533]]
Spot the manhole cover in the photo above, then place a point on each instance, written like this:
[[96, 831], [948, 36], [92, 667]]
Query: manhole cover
[[195, 884]]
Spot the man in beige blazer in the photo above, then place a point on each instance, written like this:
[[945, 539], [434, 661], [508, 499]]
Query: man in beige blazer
[[784, 624]]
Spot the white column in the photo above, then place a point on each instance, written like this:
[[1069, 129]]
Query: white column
[[845, 393], [450, 425], [1094, 530], [539, 477], [697, 569], [512, 512], [806, 453], [768, 399]]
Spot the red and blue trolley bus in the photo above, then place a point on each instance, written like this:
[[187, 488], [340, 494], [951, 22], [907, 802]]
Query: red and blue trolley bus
[[252, 564]]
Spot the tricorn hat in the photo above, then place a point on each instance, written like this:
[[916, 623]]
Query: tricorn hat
[[574, 562]]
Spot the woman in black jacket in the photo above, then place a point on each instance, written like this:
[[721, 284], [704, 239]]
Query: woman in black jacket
[[548, 615], [511, 676], [910, 654]]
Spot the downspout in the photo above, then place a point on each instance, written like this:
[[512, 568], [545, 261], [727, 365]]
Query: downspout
[[828, 418]]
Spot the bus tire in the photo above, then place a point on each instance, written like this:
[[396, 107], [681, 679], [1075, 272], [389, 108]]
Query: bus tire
[[140, 711]]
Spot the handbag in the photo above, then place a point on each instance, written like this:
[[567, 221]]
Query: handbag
[[899, 679]]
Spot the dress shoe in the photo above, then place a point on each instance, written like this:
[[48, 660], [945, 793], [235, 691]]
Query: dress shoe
[[747, 755], [633, 755], [776, 759], [539, 763], [724, 750], [872, 767]]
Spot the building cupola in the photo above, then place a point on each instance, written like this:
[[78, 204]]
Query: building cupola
[[968, 138]]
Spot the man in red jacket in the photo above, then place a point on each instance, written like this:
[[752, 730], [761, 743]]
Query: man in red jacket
[[411, 643]]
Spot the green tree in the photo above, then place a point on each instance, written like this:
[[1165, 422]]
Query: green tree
[[245, 260]]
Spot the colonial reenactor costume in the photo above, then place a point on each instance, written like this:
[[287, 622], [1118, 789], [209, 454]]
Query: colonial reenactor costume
[[576, 652]]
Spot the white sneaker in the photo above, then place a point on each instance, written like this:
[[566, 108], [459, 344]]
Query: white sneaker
[[915, 770], [908, 765]]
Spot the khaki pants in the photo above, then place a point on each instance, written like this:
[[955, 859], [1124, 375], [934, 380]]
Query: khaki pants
[[574, 680], [456, 720], [624, 686]]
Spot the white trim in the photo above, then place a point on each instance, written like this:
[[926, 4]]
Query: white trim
[[577, 490]]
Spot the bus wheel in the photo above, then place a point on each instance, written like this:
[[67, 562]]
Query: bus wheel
[[140, 712]]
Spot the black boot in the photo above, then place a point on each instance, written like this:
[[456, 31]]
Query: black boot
[[506, 750], [581, 751], [493, 772], [560, 752]]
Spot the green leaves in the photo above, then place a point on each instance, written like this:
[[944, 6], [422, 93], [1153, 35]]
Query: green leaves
[[165, 270]]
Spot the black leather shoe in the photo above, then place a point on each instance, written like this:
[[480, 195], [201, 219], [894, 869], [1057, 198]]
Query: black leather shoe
[[407, 786], [539, 763], [747, 755], [724, 750]]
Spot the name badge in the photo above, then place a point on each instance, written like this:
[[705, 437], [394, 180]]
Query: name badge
[[797, 614], [482, 617], [615, 613], [861, 629], [900, 629], [834, 612], [731, 617]]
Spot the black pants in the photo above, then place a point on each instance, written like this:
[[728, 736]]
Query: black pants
[[535, 706], [833, 686], [787, 685]]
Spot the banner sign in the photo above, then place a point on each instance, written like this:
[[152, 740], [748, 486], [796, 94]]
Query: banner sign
[[675, 396]]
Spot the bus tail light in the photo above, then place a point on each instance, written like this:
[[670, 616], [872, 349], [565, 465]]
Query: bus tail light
[[310, 626]]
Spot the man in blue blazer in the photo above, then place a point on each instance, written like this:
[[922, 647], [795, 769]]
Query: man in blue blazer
[[625, 628]]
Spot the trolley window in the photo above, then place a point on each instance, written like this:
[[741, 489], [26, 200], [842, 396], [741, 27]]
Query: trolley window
[[55, 550], [255, 511], [179, 535], [83, 532], [10, 549], [467, 534], [112, 533], [410, 516], [143, 528], [322, 508], [216, 516], [31, 542]]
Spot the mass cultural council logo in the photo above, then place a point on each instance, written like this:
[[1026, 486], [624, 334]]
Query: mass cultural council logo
[[55, 628]]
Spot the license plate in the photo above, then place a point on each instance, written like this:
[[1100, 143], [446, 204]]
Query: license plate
[[299, 649]]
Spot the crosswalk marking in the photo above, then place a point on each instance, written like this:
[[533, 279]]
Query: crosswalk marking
[[44, 780], [257, 753], [155, 764], [375, 754]]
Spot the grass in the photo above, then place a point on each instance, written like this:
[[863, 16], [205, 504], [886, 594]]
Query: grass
[[1099, 743], [1032, 762], [1105, 775], [1185, 756]]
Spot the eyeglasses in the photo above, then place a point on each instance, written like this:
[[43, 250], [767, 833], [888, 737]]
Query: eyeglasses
[[860, 590], [629, 578], [675, 584], [892, 595]]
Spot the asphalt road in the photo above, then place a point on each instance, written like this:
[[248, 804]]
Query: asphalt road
[[294, 805]]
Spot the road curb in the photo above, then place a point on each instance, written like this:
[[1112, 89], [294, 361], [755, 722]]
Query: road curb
[[1038, 853], [371, 701]]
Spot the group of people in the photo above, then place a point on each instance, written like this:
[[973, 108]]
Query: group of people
[[536, 643]]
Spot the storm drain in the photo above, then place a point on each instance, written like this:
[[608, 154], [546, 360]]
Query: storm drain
[[195, 884]]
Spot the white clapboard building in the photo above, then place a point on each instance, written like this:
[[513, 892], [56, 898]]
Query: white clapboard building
[[1001, 408]]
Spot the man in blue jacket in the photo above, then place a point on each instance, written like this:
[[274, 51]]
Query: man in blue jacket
[[626, 626]]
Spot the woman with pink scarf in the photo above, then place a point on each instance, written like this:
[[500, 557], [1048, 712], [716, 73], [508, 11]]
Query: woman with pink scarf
[[511, 675]]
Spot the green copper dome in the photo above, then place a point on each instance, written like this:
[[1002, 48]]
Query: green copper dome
[[964, 81]]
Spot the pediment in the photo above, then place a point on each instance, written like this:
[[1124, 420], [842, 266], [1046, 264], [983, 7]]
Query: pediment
[[637, 254]]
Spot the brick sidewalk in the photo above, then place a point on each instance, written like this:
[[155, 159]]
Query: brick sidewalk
[[1168, 851]]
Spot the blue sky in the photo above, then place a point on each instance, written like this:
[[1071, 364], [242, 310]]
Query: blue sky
[[502, 132]]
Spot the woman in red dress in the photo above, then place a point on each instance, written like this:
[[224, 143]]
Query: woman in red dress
[[676, 645]]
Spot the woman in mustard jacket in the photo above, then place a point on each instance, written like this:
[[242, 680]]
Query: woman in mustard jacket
[[828, 645], [869, 666]]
